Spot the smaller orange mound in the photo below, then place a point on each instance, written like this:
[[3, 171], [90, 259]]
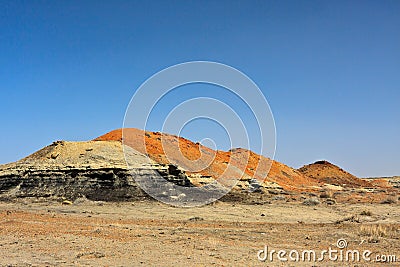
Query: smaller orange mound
[[332, 174]]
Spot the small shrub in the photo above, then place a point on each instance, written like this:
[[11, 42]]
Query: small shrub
[[330, 201], [366, 213], [374, 232], [389, 200], [353, 219]]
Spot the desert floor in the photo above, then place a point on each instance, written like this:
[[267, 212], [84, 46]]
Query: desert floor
[[148, 233]]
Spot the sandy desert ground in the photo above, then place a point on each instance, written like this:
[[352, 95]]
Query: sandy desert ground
[[149, 233]]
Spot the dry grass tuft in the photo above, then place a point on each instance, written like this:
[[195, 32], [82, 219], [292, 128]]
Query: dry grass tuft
[[366, 213], [375, 232], [389, 200], [353, 219]]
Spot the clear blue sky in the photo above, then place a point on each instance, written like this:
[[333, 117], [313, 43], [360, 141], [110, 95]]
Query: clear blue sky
[[329, 69]]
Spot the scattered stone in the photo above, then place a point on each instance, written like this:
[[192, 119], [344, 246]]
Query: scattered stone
[[81, 200], [330, 201], [279, 198], [311, 201], [352, 218], [273, 192], [389, 200], [195, 219], [326, 194], [91, 254], [366, 213]]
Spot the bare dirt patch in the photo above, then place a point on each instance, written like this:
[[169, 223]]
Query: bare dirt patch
[[148, 233]]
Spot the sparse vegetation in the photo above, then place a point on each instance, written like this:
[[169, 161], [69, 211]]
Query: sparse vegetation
[[389, 200], [330, 201], [352, 218], [366, 213], [375, 232]]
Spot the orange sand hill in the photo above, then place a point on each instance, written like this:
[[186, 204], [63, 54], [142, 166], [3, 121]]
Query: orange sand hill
[[332, 174], [200, 160]]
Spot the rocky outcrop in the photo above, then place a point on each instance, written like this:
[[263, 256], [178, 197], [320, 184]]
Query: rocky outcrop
[[95, 184], [95, 170]]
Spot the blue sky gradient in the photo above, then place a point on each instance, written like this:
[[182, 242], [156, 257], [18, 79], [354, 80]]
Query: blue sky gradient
[[329, 69]]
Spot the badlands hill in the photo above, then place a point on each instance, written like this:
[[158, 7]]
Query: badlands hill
[[201, 161], [94, 169], [331, 174], [98, 170]]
